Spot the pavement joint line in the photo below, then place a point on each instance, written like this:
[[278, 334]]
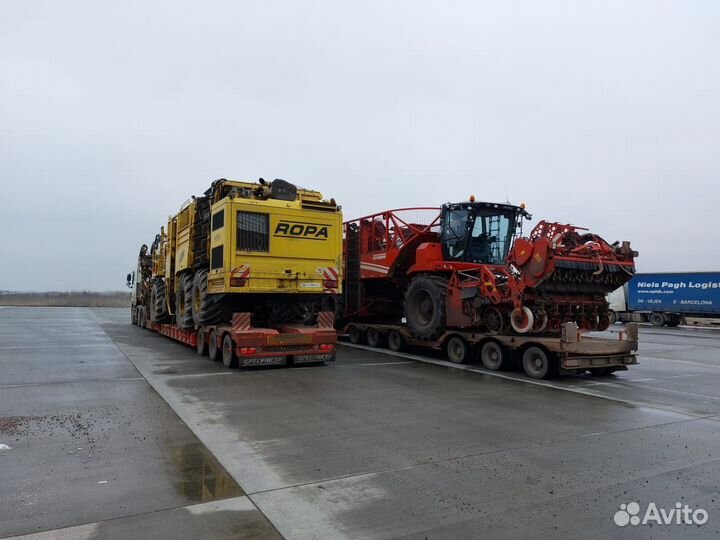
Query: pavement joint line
[[109, 379], [198, 374], [482, 454], [54, 347], [689, 362], [137, 514], [659, 389], [191, 428], [452, 365], [376, 364]]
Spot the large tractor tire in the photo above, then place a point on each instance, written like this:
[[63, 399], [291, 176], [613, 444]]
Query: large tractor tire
[[207, 308], [425, 306], [184, 302], [158, 305]]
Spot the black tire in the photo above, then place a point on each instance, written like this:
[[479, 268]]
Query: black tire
[[207, 308], [537, 363], [656, 319], [375, 338], [396, 342], [674, 321], [612, 316], [183, 302], [213, 346], [229, 358], [201, 346], [356, 335], [492, 355], [158, 305], [457, 350], [425, 306]]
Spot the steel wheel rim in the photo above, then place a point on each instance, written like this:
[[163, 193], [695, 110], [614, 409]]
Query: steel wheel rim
[[456, 350], [227, 352], [536, 363], [492, 355]]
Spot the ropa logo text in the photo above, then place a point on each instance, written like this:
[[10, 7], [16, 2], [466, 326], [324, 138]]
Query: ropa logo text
[[296, 229]]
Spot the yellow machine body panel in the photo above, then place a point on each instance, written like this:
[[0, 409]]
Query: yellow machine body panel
[[275, 246], [185, 220]]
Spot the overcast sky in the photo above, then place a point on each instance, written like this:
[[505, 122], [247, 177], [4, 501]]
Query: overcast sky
[[602, 114]]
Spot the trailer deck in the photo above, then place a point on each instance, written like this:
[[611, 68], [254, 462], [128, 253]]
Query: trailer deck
[[572, 351]]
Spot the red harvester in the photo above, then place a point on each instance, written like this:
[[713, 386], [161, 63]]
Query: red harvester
[[467, 265]]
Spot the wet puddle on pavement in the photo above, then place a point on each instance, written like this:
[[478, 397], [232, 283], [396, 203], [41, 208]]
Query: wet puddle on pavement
[[201, 477]]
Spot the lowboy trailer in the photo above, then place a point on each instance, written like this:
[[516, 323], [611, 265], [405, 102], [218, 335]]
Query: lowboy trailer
[[540, 356], [240, 344]]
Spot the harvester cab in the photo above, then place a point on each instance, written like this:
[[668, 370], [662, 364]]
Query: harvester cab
[[479, 232]]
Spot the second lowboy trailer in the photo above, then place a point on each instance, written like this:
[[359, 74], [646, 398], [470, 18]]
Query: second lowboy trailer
[[571, 352]]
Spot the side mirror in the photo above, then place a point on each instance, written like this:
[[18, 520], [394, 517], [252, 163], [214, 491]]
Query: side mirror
[[129, 280]]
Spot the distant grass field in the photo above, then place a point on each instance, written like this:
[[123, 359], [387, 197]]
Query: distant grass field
[[66, 299]]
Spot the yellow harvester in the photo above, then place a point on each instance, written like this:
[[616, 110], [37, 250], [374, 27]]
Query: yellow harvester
[[269, 248]]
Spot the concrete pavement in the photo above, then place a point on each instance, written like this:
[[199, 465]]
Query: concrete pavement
[[384, 446]]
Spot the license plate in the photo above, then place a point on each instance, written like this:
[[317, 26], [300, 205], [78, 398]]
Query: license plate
[[265, 361], [290, 339], [307, 358]]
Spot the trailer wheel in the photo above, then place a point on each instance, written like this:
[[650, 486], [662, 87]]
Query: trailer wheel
[[656, 319], [201, 345], [395, 341], [229, 358], [213, 346], [492, 355], [374, 338], [457, 349], [425, 306], [356, 335], [612, 316], [537, 364]]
